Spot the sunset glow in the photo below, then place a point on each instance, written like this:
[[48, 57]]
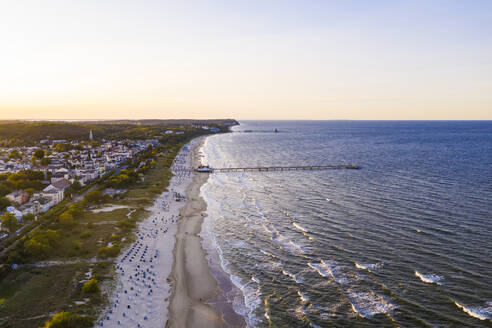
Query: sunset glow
[[249, 60]]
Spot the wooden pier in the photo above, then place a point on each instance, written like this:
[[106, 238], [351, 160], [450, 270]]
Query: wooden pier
[[282, 168]]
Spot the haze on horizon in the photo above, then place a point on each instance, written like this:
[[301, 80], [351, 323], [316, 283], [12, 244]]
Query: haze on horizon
[[246, 60]]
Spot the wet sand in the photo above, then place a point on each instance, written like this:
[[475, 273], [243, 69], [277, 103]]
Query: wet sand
[[193, 284]]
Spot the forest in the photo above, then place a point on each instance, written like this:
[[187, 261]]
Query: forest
[[15, 133]]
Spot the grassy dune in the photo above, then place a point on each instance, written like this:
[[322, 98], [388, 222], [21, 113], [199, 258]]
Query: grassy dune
[[30, 295]]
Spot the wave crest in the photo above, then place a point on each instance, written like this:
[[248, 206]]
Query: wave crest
[[429, 278], [479, 312]]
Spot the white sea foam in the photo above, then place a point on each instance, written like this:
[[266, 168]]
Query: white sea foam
[[322, 271], [267, 229], [252, 300], [299, 227], [479, 312], [285, 243], [239, 244], [304, 298], [268, 265], [294, 277], [328, 270], [368, 304], [267, 253], [249, 300], [429, 278], [368, 267], [303, 230]]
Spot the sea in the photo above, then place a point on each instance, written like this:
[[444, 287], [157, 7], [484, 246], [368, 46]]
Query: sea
[[405, 241]]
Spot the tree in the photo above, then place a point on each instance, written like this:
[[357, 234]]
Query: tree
[[9, 221], [36, 248], [4, 203], [45, 161], [90, 287], [94, 196], [14, 154], [66, 220], [68, 320], [74, 188], [30, 191], [28, 217], [39, 153], [76, 209], [41, 243]]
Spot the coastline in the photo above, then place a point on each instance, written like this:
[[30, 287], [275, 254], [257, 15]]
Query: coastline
[[172, 246], [197, 298], [143, 288]]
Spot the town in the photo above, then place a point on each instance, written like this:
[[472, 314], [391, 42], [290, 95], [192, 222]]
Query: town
[[39, 177], [34, 178]]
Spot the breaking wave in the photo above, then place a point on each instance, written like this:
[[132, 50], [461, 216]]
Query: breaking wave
[[479, 312], [429, 278], [327, 270], [294, 277], [368, 304], [368, 267]]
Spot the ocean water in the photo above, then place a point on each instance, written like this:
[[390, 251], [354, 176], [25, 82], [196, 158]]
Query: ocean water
[[404, 242]]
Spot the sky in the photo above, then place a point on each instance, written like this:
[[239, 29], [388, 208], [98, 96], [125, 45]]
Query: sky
[[317, 60]]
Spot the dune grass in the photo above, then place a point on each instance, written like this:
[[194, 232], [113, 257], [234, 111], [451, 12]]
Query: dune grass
[[32, 294]]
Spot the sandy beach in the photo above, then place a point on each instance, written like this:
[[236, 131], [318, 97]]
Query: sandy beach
[[193, 282], [164, 278], [142, 293], [197, 300]]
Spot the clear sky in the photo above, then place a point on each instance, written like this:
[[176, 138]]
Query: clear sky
[[101, 59]]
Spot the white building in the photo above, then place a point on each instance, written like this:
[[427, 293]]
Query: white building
[[54, 194]]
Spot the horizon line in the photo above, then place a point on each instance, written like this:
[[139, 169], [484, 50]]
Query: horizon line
[[211, 119]]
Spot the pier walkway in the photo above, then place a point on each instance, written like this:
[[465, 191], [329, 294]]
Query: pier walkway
[[279, 168]]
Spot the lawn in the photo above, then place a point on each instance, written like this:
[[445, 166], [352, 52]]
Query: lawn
[[32, 294]]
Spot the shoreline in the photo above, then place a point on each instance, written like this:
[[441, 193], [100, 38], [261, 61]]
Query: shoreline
[[197, 298], [141, 296], [170, 275]]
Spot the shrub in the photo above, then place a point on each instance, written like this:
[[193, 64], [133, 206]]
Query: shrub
[[76, 209], [28, 217], [66, 220], [4, 203], [9, 221], [126, 224], [91, 286], [68, 320], [112, 251], [94, 197], [114, 237], [41, 243], [45, 161], [39, 153], [4, 270], [14, 257], [86, 234]]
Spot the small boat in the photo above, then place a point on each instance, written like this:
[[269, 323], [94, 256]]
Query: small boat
[[204, 169]]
